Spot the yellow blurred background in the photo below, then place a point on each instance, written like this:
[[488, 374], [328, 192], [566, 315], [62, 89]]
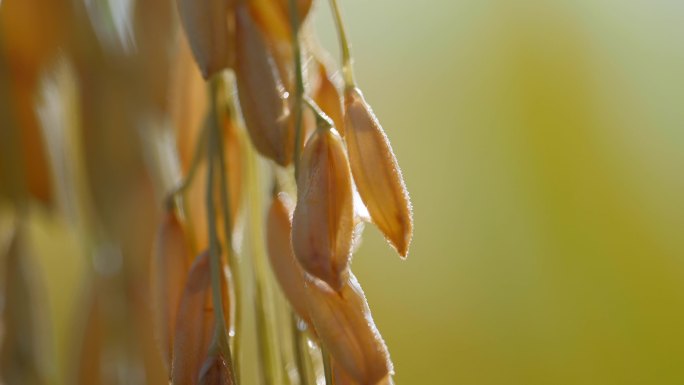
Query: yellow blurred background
[[542, 143]]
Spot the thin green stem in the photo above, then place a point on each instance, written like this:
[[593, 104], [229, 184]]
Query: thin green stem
[[347, 69], [264, 337], [232, 256], [214, 253], [327, 368], [175, 198], [194, 166], [220, 340], [299, 351], [299, 81]]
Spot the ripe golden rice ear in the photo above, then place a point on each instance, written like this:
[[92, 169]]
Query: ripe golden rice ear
[[347, 330], [285, 266], [376, 172], [168, 270], [215, 371], [323, 222], [206, 24], [262, 95], [328, 98], [194, 327]]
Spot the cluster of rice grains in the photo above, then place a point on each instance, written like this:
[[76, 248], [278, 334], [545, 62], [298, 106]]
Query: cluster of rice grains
[[329, 163], [294, 115]]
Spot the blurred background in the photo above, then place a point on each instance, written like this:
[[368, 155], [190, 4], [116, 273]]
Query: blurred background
[[542, 143]]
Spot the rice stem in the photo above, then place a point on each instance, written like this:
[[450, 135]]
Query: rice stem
[[264, 339], [327, 369], [220, 340], [230, 250], [200, 148], [175, 198], [298, 339], [347, 69]]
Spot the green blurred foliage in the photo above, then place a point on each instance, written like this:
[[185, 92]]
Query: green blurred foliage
[[542, 144]]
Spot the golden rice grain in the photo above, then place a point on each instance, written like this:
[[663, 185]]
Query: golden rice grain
[[328, 97], [168, 270], [376, 172], [193, 327], [270, 19], [347, 330], [262, 95], [195, 322], [323, 221], [206, 25], [285, 266]]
